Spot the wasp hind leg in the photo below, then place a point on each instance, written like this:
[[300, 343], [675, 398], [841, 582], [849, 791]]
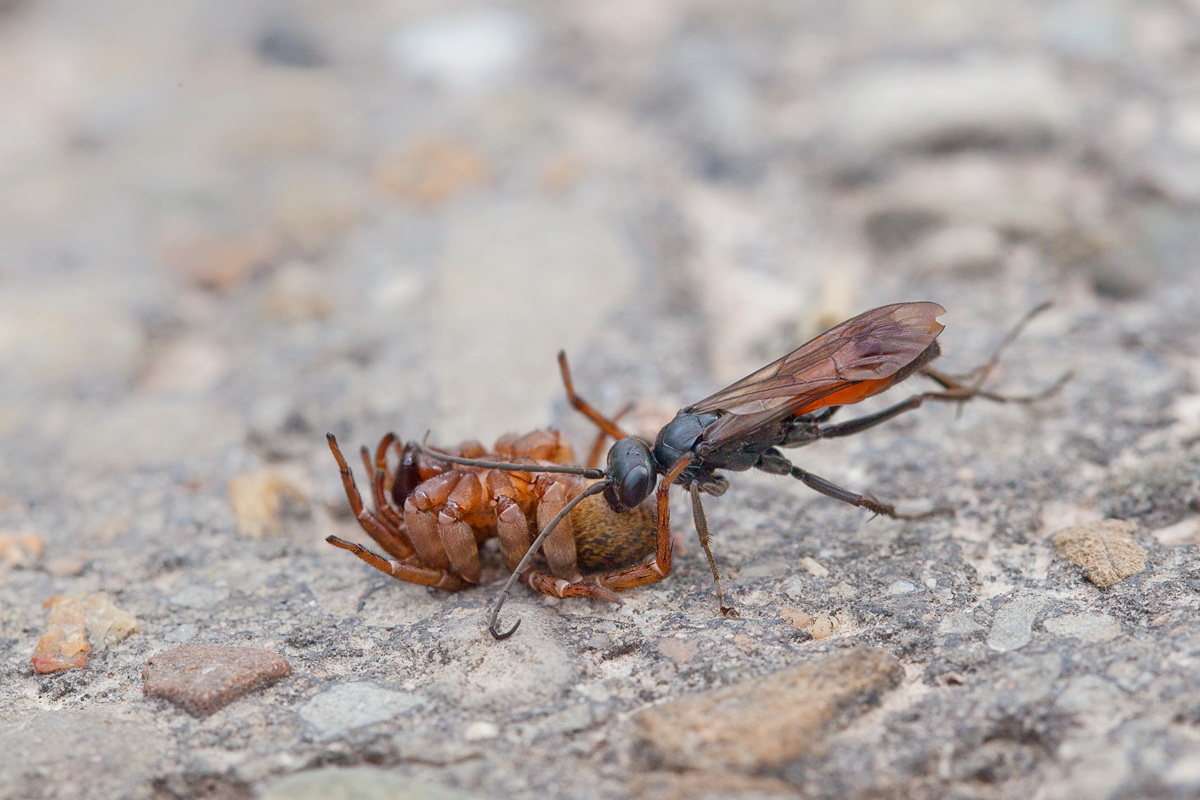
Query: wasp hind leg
[[775, 463]]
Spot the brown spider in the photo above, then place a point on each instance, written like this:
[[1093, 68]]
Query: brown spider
[[432, 516]]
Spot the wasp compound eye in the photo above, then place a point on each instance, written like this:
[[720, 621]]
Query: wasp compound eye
[[636, 486], [631, 473]]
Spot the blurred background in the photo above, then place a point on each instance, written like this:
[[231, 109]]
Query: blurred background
[[280, 217], [227, 228]]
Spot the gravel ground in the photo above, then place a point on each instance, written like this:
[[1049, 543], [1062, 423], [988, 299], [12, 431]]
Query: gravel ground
[[227, 229]]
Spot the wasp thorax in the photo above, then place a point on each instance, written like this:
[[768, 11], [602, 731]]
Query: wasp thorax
[[679, 436]]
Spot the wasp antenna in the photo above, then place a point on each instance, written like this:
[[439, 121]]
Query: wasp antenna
[[983, 371], [508, 466], [497, 635], [493, 617]]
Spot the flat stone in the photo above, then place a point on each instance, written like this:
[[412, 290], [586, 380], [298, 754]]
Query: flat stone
[[356, 783], [204, 678], [896, 107], [348, 706], [20, 549], [1105, 549], [468, 50], [528, 671], [69, 752], [55, 338], [1012, 627], [77, 627], [1086, 627], [765, 722], [150, 431]]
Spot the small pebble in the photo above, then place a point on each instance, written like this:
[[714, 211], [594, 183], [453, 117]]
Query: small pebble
[[814, 567], [359, 783], [78, 626], [258, 499], [20, 549], [771, 720], [429, 172], [1012, 628], [1105, 549], [796, 618], [468, 50], [823, 627], [348, 706], [480, 731], [204, 678]]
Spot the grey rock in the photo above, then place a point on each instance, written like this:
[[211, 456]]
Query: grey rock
[[1012, 627], [152, 431], [357, 783], [535, 669], [1085, 627], [76, 753], [345, 707], [898, 107], [464, 50], [72, 338], [533, 241]]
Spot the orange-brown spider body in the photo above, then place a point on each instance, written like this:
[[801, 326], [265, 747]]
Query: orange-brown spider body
[[432, 517]]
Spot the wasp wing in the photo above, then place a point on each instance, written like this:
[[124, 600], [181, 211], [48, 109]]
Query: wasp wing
[[868, 349]]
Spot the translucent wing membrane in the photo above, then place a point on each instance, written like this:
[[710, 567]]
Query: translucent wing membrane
[[849, 362]]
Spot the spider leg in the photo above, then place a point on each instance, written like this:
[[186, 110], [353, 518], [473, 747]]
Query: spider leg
[[562, 588], [391, 537], [412, 573], [379, 481], [608, 426], [602, 437]]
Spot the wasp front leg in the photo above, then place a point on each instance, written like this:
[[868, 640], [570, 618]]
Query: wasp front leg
[[659, 568]]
